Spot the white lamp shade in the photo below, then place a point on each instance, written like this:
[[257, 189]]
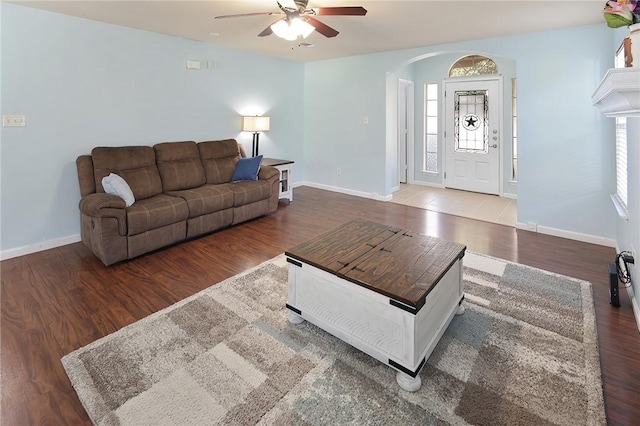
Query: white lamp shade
[[256, 124]]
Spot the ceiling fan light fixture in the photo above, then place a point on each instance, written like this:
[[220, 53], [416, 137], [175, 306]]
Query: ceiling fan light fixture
[[291, 30], [282, 30], [301, 27], [299, 21]]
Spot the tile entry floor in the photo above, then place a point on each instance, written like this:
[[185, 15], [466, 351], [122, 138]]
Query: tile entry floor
[[488, 208]]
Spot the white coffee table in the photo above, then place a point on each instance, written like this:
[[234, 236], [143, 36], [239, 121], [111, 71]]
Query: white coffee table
[[387, 292]]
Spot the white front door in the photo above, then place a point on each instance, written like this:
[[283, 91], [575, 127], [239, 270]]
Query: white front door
[[473, 111]]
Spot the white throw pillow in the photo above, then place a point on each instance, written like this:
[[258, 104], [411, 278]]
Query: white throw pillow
[[115, 185]]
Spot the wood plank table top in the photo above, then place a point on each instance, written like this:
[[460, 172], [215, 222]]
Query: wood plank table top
[[399, 264]]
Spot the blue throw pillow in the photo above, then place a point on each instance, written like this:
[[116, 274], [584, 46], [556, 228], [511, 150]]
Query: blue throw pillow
[[247, 169]]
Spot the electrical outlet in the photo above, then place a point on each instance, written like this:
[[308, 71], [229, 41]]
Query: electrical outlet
[[339, 171], [532, 226], [14, 121], [365, 120]]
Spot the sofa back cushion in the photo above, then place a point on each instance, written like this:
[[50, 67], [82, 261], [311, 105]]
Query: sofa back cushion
[[219, 159], [179, 165], [135, 164], [84, 166]]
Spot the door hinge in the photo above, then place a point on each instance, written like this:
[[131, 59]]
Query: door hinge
[[445, 175]]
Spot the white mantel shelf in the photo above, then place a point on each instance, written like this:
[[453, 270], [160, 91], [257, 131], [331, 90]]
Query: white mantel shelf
[[618, 94]]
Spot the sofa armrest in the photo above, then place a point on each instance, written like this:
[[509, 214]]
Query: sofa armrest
[[268, 173], [105, 205], [272, 176]]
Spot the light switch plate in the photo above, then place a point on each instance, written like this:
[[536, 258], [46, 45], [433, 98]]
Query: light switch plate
[[14, 121], [193, 64]]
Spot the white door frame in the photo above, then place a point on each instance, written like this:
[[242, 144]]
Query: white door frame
[[446, 139], [406, 130]]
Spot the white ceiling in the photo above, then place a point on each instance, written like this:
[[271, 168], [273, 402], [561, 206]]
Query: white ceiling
[[388, 25]]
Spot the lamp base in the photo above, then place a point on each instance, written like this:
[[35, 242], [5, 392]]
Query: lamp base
[[254, 151]]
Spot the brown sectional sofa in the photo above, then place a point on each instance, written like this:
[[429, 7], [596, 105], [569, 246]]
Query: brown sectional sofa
[[182, 190]]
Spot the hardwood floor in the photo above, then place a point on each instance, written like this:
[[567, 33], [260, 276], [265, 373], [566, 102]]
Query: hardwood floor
[[58, 300]]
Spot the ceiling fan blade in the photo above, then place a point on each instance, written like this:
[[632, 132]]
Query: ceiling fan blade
[[346, 10], [323, 29], [246, 14], [266, 32]]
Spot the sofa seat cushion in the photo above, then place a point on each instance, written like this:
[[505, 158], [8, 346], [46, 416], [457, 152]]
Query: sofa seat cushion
[[155, 212], [249, 192], [206, 199]]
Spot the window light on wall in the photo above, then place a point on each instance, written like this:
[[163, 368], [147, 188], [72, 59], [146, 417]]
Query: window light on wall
[[620, 198], [430, 144], [514, 131], [473, 65]]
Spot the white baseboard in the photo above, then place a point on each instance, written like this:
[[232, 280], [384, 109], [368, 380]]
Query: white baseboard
[[49, 244], [370, 195], [57, 242], [36, 247], [570, 235], [423, 183], [634, 305]]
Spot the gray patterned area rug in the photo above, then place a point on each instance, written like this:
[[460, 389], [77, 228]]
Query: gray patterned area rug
[[525, 352]]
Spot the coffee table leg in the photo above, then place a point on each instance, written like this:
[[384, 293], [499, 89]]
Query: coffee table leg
[[461, 309], [408, 383], [295, 318]]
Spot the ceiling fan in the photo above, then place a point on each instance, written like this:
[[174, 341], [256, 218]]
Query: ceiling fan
[[298, 21]]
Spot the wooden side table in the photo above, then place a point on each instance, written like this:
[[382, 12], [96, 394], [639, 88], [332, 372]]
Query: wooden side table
[[285, 167]]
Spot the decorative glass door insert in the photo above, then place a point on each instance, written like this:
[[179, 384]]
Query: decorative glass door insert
[[471, 126]]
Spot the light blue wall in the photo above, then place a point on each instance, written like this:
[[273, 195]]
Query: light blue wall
[[335, 105], [83, 84], [566, 171]]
